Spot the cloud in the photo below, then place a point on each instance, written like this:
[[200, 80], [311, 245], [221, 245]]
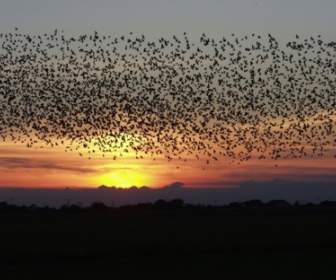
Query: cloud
[[265, 191], [301, 173], [174, 186], [26, 163]]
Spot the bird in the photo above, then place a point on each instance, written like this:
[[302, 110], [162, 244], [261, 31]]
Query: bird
[[236, 98]]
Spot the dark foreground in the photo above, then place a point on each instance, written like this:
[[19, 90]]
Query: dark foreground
[[274, 241]]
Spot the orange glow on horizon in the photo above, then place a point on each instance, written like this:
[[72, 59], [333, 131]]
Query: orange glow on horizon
[[53, 168]]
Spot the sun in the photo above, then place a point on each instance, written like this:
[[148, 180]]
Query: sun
[[125, 178]]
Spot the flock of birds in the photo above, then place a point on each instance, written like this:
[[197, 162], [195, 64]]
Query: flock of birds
[[234, 97]]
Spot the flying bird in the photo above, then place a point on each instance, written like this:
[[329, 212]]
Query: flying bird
[[235, 97]]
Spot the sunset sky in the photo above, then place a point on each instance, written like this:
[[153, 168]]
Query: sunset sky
[[46, 167], [53, 167]]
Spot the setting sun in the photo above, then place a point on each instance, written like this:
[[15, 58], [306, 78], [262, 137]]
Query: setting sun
[[125, 178]]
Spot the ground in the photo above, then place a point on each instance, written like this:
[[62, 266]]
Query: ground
[[235, 242]]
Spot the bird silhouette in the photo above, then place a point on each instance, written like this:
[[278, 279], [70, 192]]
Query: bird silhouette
[[235, 97]]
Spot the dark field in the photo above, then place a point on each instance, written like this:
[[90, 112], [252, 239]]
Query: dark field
[[274, 240]]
